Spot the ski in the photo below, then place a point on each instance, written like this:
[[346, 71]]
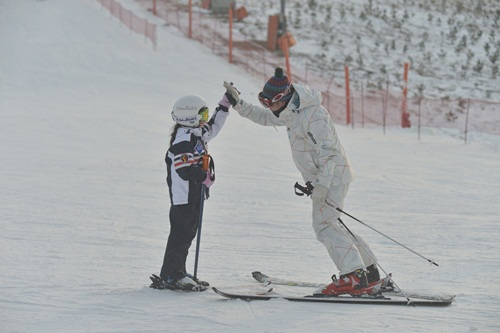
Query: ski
[[263, 278], [379, 299], [264, 290], [266, 279]]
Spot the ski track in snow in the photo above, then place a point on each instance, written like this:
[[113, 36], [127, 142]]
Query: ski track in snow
[[85, 121]]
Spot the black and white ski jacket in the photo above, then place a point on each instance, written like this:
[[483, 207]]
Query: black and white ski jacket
[[183, 158]]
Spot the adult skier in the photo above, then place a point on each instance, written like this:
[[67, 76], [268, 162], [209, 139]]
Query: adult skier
[[324, 165], [185, 178]]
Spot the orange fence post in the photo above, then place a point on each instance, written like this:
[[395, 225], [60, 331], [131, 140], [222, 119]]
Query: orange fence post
[[272, 32], [286, 41], [230, 35], [347, 96], [405, 115], [154, 7], [283, 44], [190, 33], [287, 58]]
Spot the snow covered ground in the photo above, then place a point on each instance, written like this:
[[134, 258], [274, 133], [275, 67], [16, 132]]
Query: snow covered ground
[[453, 47], [85, 122]]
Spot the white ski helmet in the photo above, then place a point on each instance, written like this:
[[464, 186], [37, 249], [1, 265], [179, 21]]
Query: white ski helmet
[[186, 110]]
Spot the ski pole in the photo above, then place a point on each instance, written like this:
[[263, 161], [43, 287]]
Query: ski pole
[[205, 167], [198, 238], [308, 191], [395, 241], [377, 263]]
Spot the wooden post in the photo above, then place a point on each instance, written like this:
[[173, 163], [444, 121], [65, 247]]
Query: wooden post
[[287, 59], [347, 96], [405, 116], [284, 48], [199, 26], [272, 32], [285, 42], [190, 31]]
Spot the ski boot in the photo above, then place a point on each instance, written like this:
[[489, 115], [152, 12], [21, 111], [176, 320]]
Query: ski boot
[[374, 279], [198, 281], [184, 283], [354, 283]]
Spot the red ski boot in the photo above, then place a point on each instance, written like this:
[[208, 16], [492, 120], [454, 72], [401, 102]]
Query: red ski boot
[[355, 283]]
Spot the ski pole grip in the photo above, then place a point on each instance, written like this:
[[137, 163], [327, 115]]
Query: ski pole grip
[[303, 189], [205, 162]]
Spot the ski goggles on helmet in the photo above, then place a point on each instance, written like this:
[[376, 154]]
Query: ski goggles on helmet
[[267, 102], [204, 114]]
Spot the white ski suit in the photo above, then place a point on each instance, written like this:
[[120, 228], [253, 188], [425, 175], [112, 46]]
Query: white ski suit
[[321, 159]]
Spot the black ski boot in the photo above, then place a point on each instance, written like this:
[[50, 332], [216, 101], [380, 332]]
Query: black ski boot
[[184, 283], [372, 274], [198, 281]]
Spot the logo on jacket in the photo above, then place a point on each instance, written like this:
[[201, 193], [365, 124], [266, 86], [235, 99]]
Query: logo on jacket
[[184, 158], [312, 137], [199, 147]]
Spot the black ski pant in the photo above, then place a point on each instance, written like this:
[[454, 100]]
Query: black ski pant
[[183, 228]]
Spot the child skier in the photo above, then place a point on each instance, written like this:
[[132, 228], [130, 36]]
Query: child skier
[[185, 178], [324, 165]]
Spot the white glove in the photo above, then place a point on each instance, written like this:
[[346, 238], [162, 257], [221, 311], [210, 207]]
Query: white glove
[[319, 193], [232, 94]]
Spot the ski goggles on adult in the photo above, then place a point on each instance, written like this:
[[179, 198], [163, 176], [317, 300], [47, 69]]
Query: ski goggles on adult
[[204, 114], [267, 103]]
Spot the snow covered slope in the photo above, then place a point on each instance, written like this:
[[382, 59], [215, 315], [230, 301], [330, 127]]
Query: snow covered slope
[[84, 125]]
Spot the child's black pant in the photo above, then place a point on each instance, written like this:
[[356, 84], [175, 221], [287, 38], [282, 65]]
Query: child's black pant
[[183, 227]]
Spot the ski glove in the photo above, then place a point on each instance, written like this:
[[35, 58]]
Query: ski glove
[[319, 193], [208, 181], [224, 103], [232, 94]]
